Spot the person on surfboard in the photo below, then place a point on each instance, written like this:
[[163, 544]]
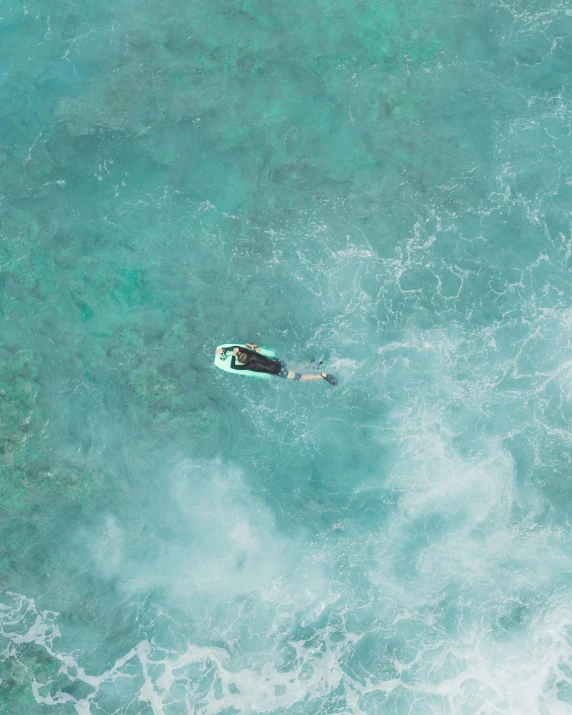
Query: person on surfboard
[[249, 358]]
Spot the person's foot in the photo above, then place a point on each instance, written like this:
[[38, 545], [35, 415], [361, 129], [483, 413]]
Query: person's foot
[[330, 378]]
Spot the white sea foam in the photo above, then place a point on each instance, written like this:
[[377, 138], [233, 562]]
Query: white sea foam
[[477, 668], [507, 654], [523, 676]]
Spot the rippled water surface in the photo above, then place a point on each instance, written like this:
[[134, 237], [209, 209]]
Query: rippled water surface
[[385, 186]]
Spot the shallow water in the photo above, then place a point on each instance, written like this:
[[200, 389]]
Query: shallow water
[[385, 187]]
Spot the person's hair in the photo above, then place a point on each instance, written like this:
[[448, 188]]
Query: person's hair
[[243, 358]]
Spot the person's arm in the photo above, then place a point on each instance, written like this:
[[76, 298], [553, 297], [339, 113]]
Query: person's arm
[[253, 346], [220, 351]]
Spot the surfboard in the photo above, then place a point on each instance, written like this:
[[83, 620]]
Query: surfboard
[[223, 361]]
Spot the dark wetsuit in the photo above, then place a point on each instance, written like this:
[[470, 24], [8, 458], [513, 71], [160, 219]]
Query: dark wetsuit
[[261, 363]]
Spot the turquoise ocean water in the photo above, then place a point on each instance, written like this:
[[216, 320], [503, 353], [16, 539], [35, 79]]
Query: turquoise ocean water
[[386, 186]]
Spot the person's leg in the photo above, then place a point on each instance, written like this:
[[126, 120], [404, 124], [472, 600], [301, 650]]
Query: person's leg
[[291, 375]]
